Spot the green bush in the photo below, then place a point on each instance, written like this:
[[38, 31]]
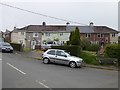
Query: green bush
[[27, 49], [89, 58], [93, 47], [16, 47], [112, 50], [74, 50], [84, 43]]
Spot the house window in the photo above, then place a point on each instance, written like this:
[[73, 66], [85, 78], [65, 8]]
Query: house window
[[47, 34], [35, 34], [61, 34], [106, 39], [97, 42], [88, 35], [42, 33], [100, 35], [21, 41], [22, 33], [113, 34], [62, 42]]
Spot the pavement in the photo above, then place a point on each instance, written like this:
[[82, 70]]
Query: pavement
[[38, 55], [19, 71]]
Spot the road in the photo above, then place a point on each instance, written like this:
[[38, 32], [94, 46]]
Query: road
[[19, 71]]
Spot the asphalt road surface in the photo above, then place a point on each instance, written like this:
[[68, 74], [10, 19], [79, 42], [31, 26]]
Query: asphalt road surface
[[19, 71]]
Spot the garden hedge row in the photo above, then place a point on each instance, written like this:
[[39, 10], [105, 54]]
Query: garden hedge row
[[112, 50], [16, 47], [74, 50]]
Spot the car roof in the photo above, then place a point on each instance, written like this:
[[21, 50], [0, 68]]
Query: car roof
[[57, 49], [4, 43]]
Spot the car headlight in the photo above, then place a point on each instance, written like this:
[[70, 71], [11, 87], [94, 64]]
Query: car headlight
[[79, 61]]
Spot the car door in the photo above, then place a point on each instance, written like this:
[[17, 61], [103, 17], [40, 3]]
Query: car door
[[51, 55], [61, 57]]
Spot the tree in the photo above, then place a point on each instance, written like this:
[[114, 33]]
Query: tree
[[71, 38], [74, 38], [84, 43]]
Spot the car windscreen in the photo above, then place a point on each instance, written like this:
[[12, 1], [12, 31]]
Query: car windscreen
[[5, 44]]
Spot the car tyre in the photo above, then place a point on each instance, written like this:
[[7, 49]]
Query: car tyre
[[72, 64], [46, 61]]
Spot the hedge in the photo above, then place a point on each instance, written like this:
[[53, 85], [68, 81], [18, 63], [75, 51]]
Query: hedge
[[89, 58], [93, 47], [16, 47], [74, 50], [112, 50]]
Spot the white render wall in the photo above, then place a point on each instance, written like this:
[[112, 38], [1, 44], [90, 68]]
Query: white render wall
[[22, 37], [17, 37], [54, 35], [14, 37], [114, 39]]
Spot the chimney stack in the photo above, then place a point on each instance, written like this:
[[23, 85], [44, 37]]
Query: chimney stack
[[67, 23], [44, 24], [91, 24]]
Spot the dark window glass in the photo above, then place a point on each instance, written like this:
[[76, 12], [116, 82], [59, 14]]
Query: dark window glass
[[60, 53], [52, 52], [98, 35]]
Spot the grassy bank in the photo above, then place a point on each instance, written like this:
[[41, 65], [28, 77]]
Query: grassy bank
[[89, 57]]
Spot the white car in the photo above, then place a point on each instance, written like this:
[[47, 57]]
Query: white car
[[6, 47], [61, 57]]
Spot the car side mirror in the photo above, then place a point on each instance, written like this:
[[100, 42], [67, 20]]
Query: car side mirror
[[65, 55]]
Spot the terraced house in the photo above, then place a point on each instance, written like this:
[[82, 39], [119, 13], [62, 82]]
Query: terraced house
[[42, 35], [45, 35]]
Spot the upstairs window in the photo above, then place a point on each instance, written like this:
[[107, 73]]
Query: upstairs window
[[113, 34], [61, 34], [35, 34], [88, 35], [47, 34], [22, 33], [100, 35]]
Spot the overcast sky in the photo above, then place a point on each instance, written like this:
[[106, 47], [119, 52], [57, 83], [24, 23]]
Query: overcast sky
[[103, 12]]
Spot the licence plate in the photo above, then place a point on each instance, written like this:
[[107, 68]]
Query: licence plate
[[7, 49]]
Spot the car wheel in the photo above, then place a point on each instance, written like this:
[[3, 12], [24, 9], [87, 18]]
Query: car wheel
[[45, 60], [72, 64]]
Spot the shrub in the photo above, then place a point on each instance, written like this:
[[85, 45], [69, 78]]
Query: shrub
[[89, 58], [112, 50], [74, 50], [27, 49], [93, 47], [84, 43], [16, 47]]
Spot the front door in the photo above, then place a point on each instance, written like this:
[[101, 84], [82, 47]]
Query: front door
[[33, 43]]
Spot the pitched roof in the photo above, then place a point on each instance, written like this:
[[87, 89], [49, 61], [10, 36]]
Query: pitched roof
[[82, 29], [64, 28], [40, 28], [104, 29]]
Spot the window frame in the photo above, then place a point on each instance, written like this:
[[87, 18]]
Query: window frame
[[101, 35], [113, 35], [61, 54], [61, 34], [35, 33], [88, 35], [22, 33], [47, 34], [50, 53]]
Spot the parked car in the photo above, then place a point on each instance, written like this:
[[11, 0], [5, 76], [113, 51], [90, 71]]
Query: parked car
[[61, 57], [6, 47]]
